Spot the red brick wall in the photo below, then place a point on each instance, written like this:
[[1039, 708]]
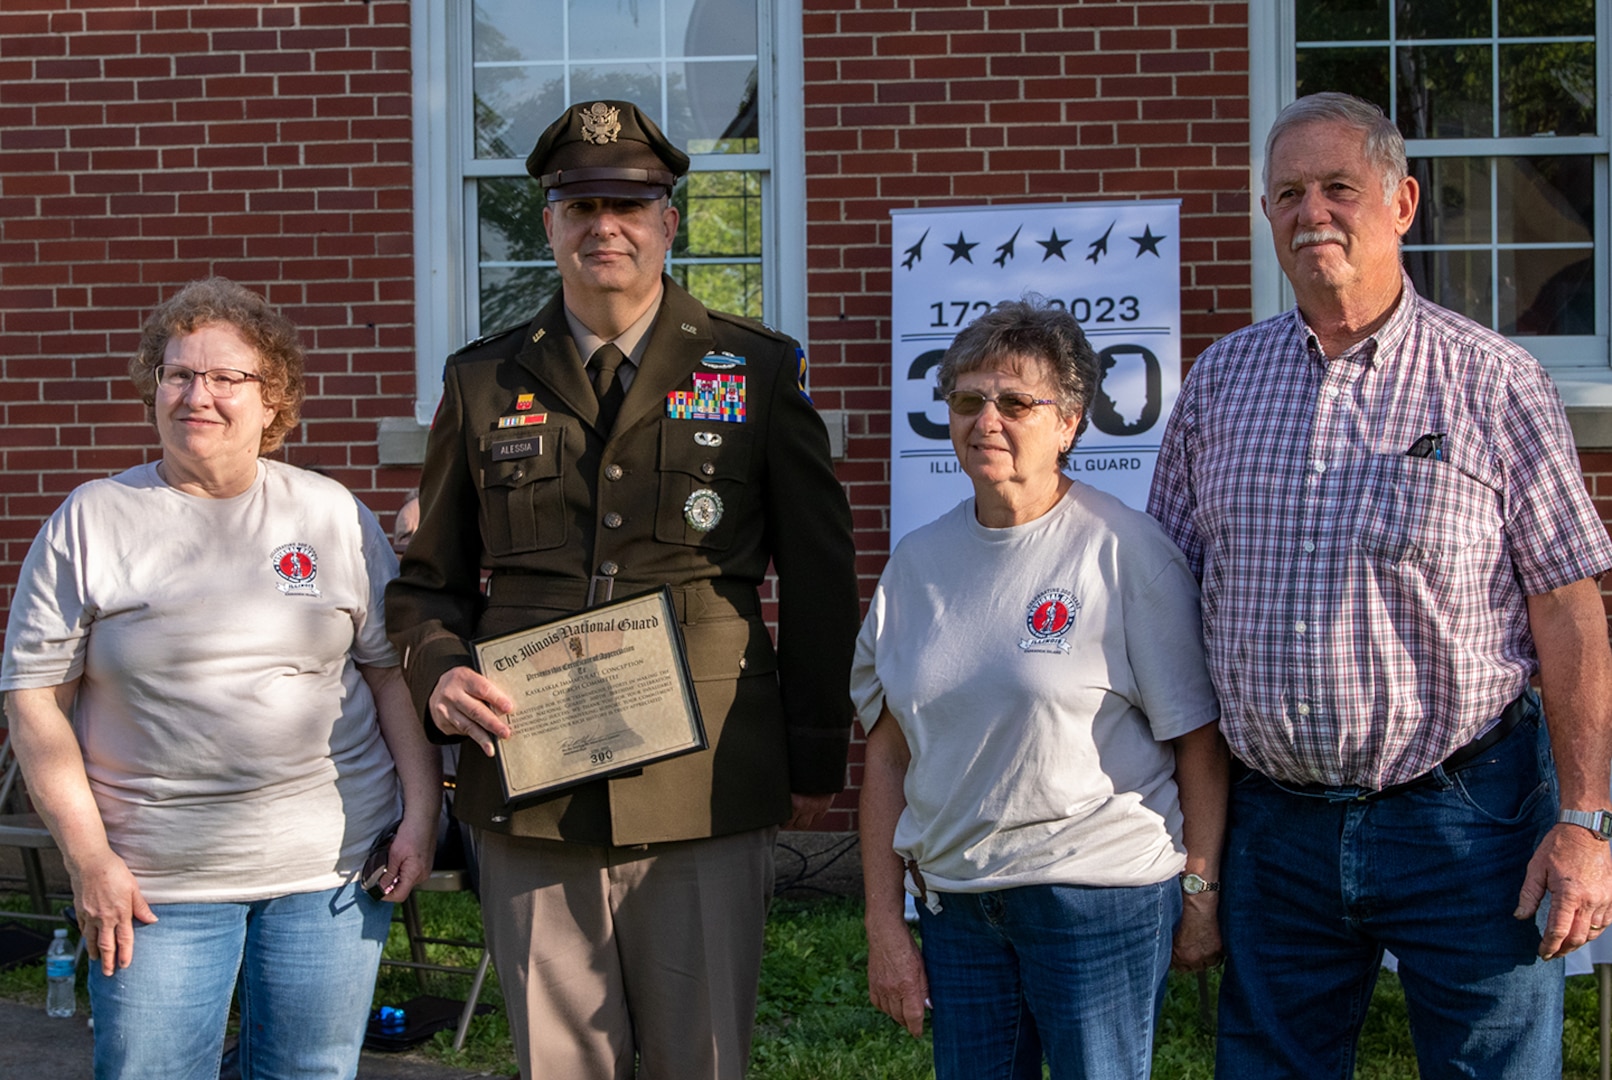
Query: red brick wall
[[145, 144], [942, 103]]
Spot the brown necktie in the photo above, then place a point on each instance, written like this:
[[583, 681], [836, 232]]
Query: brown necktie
[[606, 359]]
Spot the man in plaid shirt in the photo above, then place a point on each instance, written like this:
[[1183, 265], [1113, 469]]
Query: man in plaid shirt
[[1384, 507]]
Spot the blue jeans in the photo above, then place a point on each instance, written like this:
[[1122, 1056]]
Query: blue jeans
[[1072, 972], [1318, 885], [306, 964]]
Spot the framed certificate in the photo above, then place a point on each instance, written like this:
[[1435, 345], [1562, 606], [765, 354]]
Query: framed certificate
[[601, 692]]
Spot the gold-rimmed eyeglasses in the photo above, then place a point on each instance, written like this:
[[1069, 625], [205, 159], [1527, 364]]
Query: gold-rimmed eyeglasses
[[1013, 405]]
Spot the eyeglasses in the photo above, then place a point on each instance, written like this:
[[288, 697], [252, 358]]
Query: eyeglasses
[[220, 382], [1012, 405]]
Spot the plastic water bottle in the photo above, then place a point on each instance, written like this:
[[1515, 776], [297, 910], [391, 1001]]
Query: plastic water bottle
[[59, 1000]]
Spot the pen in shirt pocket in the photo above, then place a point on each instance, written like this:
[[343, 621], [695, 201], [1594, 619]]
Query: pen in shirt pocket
[[1430, 445]]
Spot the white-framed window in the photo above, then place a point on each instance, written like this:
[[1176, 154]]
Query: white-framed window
[[722, 78], [1503, 105]]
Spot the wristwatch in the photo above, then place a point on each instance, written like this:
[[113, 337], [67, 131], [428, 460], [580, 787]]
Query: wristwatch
[[1598, 822], [1192, 884]]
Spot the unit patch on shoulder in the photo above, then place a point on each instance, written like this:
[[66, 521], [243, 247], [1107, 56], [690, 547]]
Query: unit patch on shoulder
[[800, 375], [296, 565], [1048, 618], [714, 397]]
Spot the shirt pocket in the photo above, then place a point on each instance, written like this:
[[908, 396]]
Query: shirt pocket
[[1420, 510], [702, 487], [522, 508]]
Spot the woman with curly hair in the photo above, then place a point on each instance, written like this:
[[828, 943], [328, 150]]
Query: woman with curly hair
[[212, 722]]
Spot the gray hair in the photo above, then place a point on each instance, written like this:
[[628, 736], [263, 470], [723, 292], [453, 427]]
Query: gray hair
[[1385, 146], [1034, 329]]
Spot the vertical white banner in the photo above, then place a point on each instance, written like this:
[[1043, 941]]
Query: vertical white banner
[[1116, 266]]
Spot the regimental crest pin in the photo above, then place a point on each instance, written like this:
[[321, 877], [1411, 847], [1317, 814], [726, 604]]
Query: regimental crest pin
[[703, 510], [1048, 618], [600, 123], [296, 565]]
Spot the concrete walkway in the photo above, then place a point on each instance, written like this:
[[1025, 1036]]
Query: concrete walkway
[[35, 1047]]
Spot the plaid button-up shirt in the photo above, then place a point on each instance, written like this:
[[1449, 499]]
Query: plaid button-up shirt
[[1365, 609]]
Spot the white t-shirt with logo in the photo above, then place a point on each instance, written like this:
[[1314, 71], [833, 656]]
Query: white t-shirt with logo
[[1037, 672], [230, 741]]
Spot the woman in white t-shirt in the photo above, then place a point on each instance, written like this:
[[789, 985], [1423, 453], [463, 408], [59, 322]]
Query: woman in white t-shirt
[[1044, 767], [212, 722]]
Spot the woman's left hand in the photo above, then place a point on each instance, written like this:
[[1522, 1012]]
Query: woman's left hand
[[409, 861], [1197, 939]]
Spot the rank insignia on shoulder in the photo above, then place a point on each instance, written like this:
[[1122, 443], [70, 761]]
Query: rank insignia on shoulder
[[523, 402], [721, 361], [714, 397], [523, 421]]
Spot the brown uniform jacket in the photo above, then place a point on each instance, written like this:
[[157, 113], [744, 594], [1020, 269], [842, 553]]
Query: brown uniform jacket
[[544, 515]]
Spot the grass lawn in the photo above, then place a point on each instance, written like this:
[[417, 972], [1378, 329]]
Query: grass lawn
[[813, 1021]]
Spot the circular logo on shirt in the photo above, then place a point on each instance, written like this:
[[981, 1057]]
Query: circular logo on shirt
[[1050, 613], [295, 564], [1048, 618]]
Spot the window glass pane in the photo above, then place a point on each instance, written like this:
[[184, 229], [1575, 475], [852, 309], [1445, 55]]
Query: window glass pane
[[734, 287], [513, 105], [1445, 92], [1547, 200], [1417, 19], [609, 28], [1361, 72], [1547, 292], [1546, 18], [1547, 89], [511, 295], [517, 30], [1454, 202], [1458, 280], [1341, 20], [721, 215], [638, 83], [711, 28], [713, 107], [511, 219]]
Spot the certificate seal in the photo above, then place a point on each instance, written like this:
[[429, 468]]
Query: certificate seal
[[703, 510]]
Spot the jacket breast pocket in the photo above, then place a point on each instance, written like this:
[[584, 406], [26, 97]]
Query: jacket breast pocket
[[1419, 510], [702, 486], [521, 504]]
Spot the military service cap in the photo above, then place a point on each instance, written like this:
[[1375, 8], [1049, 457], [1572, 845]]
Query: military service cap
[[605, 149]]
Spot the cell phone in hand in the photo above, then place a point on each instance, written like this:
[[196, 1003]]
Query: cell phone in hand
[[376, 870]]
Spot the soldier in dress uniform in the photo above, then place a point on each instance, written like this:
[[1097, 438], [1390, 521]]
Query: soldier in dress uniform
[[629, 438]]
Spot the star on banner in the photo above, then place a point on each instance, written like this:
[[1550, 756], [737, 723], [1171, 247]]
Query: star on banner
[[1147, 242], [961, 249], [1005, 252], [916, 252], [1054, 246], [1099, 246]]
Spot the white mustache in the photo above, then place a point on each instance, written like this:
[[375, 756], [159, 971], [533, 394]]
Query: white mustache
[[1317, 236]]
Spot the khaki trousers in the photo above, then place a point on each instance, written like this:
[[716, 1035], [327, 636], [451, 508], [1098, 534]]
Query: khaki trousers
[[609, 953]]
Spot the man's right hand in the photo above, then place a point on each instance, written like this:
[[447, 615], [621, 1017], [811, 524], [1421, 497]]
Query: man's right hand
[[467, 704]]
